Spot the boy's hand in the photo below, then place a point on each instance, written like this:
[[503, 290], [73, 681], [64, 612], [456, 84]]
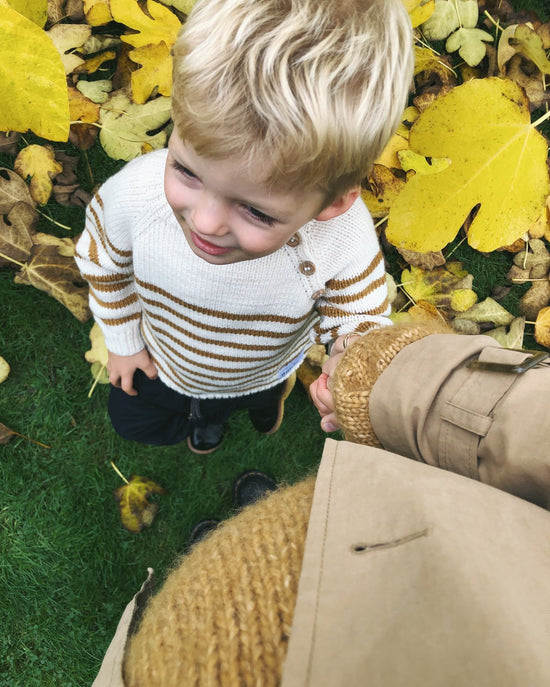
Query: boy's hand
[[121, 369], [321, 394]]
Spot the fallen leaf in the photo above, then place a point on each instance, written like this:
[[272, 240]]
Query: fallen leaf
[[381, 188], [67, 38], [529, 44], [136, 512], [498, 163], [427, 261], [33, 79], [419, 10], [470, 44], [16, 232], [509, 337], [98, 356], [13, 190], [58, 276], [534, 258], [84, 115], [536, 298], [39, 163], [157, 26], [98, 12], [35, 10], [155, 73], [437, 286], [97, 91], [4, 369], [6, 434], [409, 160], [125, 125], [542, 327], [487, 311]]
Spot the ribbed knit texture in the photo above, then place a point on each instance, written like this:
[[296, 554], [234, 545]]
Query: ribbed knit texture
[[361, 365], [222, 330], [224, 614]]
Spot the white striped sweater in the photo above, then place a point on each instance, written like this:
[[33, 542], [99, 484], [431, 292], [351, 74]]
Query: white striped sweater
[[222, 330]]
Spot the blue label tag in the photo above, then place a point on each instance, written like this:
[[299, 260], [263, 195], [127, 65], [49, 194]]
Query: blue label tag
[[295, 362]]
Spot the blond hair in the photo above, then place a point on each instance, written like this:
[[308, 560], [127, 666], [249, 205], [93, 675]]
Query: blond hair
[[310, 89]]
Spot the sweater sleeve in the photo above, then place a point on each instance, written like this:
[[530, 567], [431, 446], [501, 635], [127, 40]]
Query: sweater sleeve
[[104, 257], [355, 298]]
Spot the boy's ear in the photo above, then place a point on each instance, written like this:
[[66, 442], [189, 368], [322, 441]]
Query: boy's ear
[[339, 205]]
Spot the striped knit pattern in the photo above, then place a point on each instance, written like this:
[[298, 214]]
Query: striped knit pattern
[[222, 330], [224, 614]]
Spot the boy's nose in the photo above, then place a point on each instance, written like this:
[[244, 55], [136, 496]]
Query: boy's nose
[[209, 216]]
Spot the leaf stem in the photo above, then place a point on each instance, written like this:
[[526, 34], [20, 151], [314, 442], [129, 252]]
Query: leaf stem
[[63, 226], [96, 380], [7, 257], [34, 441], [119, 473], [542, 119]]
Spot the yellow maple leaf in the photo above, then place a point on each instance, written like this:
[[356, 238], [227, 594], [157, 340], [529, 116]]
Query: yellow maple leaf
[[419, 10], [98, 12], [32, 79], [160, 24], [136, 512], [38, 163], [155, 72], [498, 164]]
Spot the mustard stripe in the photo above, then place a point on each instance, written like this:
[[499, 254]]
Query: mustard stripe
[[105, 241], [115, 321], [129, 300], [354, 297], [339, 284], [211, 328], [221, 314]]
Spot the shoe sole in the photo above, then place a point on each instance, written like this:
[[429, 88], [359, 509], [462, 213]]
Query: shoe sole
[[203, 452], [280, 415]]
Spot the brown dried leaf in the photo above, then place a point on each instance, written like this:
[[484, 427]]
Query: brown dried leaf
[[58, 276], [13, 190], [535, 299], [534, 258], [427, 261], [16, 232], [136, 512], [6, 434], [381, 188]]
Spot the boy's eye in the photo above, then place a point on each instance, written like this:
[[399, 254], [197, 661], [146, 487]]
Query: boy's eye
[[183, 170], [259, 215]]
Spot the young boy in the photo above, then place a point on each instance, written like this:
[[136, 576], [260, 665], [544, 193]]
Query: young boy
[[210, 286]]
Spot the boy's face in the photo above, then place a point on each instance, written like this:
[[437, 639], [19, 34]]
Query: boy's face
[[225, 214]]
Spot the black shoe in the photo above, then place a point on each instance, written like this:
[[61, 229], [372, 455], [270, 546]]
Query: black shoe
[[205, 439], [201, 530], [251, 486], [267, 419]]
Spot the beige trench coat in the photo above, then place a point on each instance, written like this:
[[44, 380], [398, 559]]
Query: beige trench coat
[[412, 577]]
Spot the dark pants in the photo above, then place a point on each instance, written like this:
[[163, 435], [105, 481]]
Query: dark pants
[[161, 416]]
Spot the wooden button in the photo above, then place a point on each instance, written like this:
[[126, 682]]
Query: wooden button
[[294, 241], [307, 268]]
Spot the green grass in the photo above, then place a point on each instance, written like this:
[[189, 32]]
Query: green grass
[[67, 567]]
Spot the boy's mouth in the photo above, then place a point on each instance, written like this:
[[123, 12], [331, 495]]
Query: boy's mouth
[[208, 247]]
